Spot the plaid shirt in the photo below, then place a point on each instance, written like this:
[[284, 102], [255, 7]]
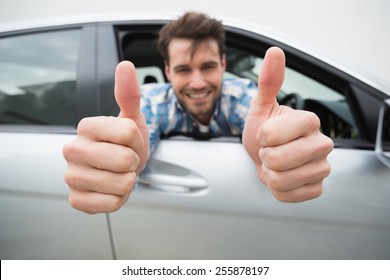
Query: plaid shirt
[[165, 116]]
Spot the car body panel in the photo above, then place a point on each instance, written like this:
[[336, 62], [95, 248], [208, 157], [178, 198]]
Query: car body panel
[[351, 220], [36, 219]]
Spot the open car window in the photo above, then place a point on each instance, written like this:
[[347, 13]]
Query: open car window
[[301, 92], [298, 91]]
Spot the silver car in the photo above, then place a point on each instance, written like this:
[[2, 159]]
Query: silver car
[[197, 199]]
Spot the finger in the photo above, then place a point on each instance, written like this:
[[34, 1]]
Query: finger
[[271, 76], [309, 173], [275, 132], [102, 155], [127, 91], [303, 193], [85, 178], [93, 202], [110, 129], [285, 157]]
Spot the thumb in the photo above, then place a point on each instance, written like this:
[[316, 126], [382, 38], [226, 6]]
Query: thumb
[[264, 104], [127, 91], [271, 76]]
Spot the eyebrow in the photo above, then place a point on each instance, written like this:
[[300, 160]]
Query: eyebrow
[[184, 66], [180, 67], [210, 63]]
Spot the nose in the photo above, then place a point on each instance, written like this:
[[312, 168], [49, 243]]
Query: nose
[[197, 80]]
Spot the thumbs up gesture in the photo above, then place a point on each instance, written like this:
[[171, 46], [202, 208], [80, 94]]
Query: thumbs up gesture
[[109, 152], [286, 145]]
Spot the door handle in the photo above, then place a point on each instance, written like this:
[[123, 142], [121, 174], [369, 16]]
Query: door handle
[[167, 177]]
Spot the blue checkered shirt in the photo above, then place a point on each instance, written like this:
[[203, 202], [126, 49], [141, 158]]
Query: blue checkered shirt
[[165, 116]]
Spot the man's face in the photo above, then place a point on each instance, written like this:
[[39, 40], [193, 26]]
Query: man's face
[[196, 77]]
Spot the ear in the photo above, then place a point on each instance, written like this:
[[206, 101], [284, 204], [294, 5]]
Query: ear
[[166, 70], [223, 62]]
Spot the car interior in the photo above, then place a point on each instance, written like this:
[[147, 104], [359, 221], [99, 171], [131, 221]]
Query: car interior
[[336, 119]]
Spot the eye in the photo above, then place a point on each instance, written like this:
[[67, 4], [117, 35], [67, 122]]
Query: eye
[[182, 70], [209, 66]]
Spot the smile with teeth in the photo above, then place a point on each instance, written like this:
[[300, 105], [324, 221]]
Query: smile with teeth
[[198, 95]]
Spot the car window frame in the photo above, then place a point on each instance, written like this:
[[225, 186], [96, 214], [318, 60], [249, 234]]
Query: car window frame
[[86, 103]]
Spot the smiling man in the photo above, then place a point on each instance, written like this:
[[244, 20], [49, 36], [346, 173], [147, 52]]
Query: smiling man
[[196, 79], [197, 101], [286, 145]]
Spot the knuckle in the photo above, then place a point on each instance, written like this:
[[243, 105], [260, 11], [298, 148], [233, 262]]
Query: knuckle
[[126, 183], [313, 121], [115, 204], [84, 126], [72, 150], [77, 202], [129, 130], [74, 202], [67, 151], [70, 178], [326, 169], [271, 157], [281, 196], [76, 179], [128, 161], [315, 191], [266, 134], [324, 146], [276, 182], [328, 145]]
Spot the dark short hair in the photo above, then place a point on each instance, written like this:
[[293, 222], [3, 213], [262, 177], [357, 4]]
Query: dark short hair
[[195, 26]]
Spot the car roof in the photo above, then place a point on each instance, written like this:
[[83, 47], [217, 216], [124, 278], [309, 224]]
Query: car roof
[[161, 17]]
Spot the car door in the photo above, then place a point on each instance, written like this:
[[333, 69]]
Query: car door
[[42, 72], [203, 200]]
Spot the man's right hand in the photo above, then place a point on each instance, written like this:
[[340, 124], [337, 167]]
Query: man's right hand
[[109, 152]]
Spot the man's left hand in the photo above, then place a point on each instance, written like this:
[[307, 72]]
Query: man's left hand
[[286, 145]]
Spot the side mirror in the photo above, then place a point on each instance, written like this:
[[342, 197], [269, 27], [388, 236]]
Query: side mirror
[[382, 145]]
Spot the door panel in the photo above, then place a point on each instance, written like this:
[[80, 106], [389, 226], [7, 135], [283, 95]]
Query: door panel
[[36, 220], [237, 217]]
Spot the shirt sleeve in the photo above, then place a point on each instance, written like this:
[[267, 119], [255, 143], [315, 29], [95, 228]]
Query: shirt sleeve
[[152, 123], [240, 105]]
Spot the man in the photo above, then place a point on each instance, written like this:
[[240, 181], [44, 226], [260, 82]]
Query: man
[[109, 153], [197, 101]]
